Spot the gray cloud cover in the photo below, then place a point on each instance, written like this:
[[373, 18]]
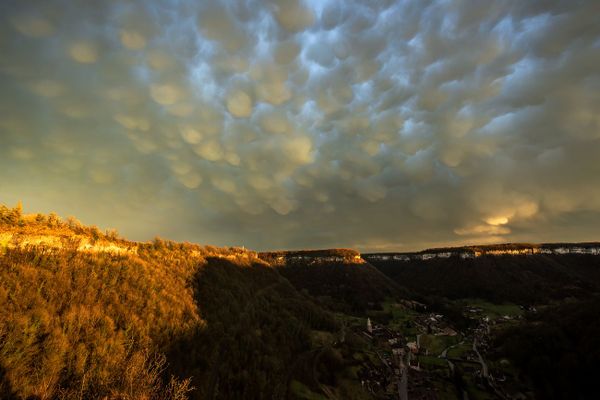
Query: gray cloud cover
[[288, 124]]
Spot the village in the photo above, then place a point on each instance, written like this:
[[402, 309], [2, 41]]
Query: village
[[418, 362]]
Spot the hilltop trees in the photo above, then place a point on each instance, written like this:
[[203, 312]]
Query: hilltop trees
[[51, 224], [11, 216]]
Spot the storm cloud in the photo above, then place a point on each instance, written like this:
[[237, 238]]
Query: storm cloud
[[380, 125]]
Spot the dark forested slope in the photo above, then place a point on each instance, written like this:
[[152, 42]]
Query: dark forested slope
[[498, 278], [558, 349], [255, 325], [340, 278]]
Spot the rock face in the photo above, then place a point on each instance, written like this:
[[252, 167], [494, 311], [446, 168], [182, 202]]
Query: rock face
[[312, 257], [493, 250], [51, 243]]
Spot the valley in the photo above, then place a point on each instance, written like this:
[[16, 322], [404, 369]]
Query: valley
[[402, 353]]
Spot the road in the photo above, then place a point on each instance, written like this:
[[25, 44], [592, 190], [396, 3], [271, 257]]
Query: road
[[403, 382], [486, 373], [445, 352], [484, 368]]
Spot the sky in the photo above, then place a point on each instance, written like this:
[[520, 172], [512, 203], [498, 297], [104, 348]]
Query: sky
[[377, 125]]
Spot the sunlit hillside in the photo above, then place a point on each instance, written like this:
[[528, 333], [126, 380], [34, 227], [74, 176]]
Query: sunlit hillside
[[84, 314]]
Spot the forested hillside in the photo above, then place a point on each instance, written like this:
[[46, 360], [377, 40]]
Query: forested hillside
[[558, 349], [339, 278], [255, 324], [522, 279], [89, 315]]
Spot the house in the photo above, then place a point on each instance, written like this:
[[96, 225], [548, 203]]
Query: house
[[413, 347]]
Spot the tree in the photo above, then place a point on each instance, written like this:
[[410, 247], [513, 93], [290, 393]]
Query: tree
[[53, 219], [112, 234]]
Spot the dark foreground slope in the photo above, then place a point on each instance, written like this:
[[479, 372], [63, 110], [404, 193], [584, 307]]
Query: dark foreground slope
[[255, 324], [520, 279], [89, 315], [340, 278], [558, 349]]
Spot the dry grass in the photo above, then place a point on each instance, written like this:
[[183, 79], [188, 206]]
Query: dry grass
[[78, 323]]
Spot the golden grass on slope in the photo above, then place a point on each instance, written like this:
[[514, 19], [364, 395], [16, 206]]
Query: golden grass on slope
[[92, 324]]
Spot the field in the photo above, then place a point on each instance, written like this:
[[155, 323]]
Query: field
[[301, 391], [432, 362], [436, 344], [459, 351], [492, 310], [401, 318]]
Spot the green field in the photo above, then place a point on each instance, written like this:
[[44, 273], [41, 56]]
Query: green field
[[460, 350], [494, 310], [402, 318], [436, 344], [301, 391], [321, 338], [432, 361], [350, 320]]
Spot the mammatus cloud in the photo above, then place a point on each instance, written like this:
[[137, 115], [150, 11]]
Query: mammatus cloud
[[239, 104], [83, 52], [382, 125]]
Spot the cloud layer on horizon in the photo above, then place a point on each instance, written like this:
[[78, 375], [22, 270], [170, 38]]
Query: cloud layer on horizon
[[288, 124]]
